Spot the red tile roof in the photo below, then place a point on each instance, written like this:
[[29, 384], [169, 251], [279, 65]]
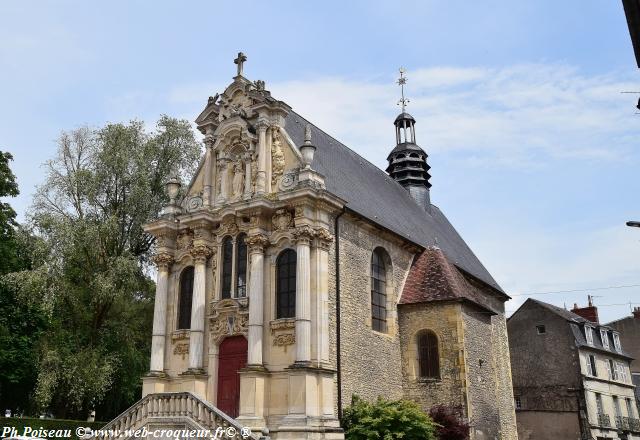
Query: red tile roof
[[433, 278]]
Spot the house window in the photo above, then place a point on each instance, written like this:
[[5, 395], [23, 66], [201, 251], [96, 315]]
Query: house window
[[378, 291], [286, 284], [591, 366], [611, 369], [630, 412], [184, 298], [622, 371], [541, 329], [616, 406], [518, 402], [616, 342], [599, 407], [241, 266], [227, 266], [605, 338], [588, 332], [428, 356]]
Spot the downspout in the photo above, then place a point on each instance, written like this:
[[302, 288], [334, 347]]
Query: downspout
[[336, 229]]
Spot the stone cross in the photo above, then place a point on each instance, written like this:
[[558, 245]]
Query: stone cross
[[240, 61]]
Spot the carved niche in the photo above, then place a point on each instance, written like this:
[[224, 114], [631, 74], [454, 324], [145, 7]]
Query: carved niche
[[228, 317]]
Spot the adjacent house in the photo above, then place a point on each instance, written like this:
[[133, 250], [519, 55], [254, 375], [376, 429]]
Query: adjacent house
[[571, 375], [629, 329]]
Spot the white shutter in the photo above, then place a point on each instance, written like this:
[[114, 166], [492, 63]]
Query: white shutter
[[588, 361], [609, 372]]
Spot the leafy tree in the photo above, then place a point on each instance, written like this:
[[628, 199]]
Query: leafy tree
[[21, 323], [386, 420], [450, 424], [100, 189]]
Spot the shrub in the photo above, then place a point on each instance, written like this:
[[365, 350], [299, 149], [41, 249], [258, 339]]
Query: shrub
[[450, 424], [386, 420]]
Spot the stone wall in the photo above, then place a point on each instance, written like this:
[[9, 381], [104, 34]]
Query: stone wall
[[504, 387], [371, 364], [444, 319], [481, 384]]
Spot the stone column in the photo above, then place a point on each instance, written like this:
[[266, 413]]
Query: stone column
[[163, 261], [323, 242], [256, 244], [208, 141], [261, 178], [303, 237], [200, 253]]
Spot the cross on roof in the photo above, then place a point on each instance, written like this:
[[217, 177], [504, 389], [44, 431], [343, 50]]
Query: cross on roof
[[401, 82], [240, 61]]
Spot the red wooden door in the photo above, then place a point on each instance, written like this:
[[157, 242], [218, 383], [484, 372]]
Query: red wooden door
[[233, 356]]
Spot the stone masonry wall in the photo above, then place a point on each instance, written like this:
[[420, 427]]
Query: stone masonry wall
[[371, 361], [484, 416], [445, 320]]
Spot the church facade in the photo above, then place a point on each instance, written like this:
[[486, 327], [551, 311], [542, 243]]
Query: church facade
[[293, 274]]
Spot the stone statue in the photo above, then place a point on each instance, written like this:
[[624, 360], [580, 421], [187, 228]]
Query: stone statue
[[277, 157], [238, 179]]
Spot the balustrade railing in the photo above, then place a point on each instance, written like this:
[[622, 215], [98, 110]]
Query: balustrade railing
[[173, 405], [633, 424], [603, 420]]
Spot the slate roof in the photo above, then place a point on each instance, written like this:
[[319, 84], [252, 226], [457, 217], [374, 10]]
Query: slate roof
[[371, 193], [576, 323], [632, 12], [433, 278]]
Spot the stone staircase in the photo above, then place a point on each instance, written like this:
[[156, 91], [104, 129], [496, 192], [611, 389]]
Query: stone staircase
[[173, 412]]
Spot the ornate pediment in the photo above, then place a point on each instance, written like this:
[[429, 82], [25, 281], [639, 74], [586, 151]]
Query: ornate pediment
[[229, 317]]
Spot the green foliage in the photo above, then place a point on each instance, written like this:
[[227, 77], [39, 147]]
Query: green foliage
[[21, 323], [386, 420], [90, 272]]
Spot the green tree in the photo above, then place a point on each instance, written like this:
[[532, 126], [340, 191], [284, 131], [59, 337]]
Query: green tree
[[386, 420], [21, 323], [94, 283]]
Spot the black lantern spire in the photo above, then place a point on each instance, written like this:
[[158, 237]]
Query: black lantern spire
[[407, 161]]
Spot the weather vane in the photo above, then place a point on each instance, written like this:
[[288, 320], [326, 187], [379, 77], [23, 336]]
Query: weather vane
[[401, 82]]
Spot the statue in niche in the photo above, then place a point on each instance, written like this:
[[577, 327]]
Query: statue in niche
[[254, 173], [238, 179], [277, 156]]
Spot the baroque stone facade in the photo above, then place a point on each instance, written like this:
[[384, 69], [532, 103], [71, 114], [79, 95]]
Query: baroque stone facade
[[286, 286]]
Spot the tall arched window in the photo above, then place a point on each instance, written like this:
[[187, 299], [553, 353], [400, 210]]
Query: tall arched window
[[378, 291], [428, 357], [241, 266], [184, 299], [227, 266], [286, 284]]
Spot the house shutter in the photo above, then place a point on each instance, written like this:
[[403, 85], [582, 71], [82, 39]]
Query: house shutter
[[609, 372]]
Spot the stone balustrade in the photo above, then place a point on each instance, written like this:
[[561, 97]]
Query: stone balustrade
[[172, 406]]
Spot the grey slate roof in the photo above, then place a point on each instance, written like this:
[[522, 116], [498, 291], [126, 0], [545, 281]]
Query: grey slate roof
[[576, 322], [370, 192]]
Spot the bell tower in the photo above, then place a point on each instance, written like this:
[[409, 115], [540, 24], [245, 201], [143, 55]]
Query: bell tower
[[407, 161]]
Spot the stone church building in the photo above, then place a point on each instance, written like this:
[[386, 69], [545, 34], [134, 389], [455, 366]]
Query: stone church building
[[293, 274]]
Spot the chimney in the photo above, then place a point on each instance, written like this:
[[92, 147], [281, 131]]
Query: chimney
[[636, 312], [590, 313]]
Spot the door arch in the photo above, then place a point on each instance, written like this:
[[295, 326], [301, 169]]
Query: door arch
[[232, 357]]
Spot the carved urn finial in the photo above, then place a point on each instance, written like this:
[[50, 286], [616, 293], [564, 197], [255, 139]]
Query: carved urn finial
[[307, 149], [172, 187]]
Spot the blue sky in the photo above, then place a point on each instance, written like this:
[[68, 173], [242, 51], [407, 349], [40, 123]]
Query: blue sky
[[533, 148]]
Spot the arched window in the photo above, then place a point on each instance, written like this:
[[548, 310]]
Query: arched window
[[428, 357], [184, 299], [227, 266], [286, 284], [378, 291], [241, 266]]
